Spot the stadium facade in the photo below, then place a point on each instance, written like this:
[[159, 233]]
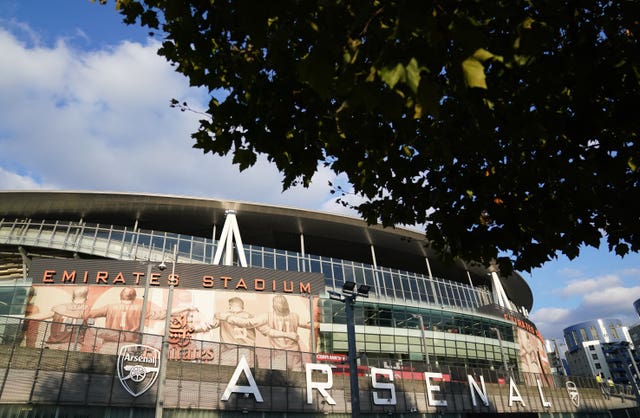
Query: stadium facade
[[115, 304]]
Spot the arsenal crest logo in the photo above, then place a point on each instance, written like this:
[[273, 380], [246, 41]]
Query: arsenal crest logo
[[138, 367], [574, 395]]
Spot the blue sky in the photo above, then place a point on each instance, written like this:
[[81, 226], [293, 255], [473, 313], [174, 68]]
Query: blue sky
[[85, 106]]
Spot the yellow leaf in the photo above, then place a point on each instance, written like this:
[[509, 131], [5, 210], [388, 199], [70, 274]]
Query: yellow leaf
[[473, 70], [417, 111]]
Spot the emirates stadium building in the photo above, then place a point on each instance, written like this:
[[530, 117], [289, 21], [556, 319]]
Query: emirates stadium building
[[116, 304]]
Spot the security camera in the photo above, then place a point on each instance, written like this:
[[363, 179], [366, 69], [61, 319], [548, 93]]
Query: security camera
[[162, 266]]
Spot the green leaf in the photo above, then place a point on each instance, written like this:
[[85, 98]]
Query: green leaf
[[473, 69], [412, 72], [392, 75]]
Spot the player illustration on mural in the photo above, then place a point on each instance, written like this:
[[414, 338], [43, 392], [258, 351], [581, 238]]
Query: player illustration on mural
[[204, 325], [280, 325], [68, 322], [231, 333], [122, 320]]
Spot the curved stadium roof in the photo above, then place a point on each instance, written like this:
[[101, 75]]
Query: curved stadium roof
[[262, 225]]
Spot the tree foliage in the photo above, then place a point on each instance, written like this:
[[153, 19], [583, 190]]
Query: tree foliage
[[507, 127]]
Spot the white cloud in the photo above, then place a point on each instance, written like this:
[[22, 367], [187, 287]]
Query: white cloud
[[100, 120], [551, 314], [551, 321], [612, 298], [606, 301], [14, 181], [20, 30], [581, 287]]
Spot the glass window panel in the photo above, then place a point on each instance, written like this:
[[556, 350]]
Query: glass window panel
[[269, 260], [426, 288], [358, 274], [449, 290], [294, 263], [388, 282], [594, 333], [198, 250], [339, 336], [348, 272], [614, 332], [256, 259], [19, 301], [368, 276], [442, 293], [337, 273], [372, 346], [143, 240], [397, 284], [340, 346], [315, 265], [158, 242], [408, 293], [184, 246], [281, 262], [117, 236], [401, 348], [326, 269], [583, 334], [469, 298], [6, 296]]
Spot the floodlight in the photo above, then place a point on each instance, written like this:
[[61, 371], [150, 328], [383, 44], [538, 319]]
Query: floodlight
[[349, 287], [335, 295], [363, 290]]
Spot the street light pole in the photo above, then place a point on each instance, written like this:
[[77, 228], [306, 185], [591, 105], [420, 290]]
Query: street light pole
[[353, 363], [350, 291], [423, 345], [504, 357], [143, 313], [164, 354]]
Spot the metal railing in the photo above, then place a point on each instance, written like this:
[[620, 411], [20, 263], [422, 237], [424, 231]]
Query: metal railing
[[123, 243], [82, 370]]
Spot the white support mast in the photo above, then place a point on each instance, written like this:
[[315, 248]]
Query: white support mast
[[230, 234], [499, 295]]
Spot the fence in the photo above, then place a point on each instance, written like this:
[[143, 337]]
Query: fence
[[82, 371]]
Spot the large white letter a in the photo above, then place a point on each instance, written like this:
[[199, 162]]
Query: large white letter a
[[233, 386]]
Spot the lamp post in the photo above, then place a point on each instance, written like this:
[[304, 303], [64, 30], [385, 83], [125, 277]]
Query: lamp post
[[164, 353], [350, 291], [504, 357], [143, 313], [423, 344]]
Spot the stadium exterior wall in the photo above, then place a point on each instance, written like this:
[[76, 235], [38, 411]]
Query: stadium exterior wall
[[85, 309]]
